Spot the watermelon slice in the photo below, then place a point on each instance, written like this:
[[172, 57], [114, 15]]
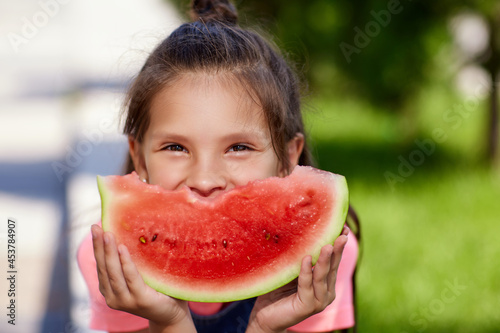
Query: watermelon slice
[[243, 243]]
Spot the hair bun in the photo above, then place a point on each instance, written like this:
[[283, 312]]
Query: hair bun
[[214, 10]]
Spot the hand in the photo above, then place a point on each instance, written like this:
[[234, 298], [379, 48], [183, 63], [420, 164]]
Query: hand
[[124, 289], [311, 293]]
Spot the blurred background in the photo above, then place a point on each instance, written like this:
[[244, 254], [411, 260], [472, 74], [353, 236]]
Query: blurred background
[[402, 99]]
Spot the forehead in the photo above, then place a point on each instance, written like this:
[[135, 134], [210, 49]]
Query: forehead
[[200, 101]]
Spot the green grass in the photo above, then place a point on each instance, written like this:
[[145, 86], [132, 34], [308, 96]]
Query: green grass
[[430, 251]]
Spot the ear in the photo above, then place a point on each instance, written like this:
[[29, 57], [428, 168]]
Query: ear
[[135, 150], [294, 149]]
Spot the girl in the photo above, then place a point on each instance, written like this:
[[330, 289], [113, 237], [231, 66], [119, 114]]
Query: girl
[[215, 107]]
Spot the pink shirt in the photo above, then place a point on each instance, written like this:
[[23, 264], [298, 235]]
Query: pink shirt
[[338, 315]]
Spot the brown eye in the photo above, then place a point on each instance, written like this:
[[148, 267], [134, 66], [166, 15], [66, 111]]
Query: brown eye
[[239, 148], [175, 147]]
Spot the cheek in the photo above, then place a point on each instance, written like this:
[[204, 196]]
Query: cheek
[[167, 175], [242, 173]]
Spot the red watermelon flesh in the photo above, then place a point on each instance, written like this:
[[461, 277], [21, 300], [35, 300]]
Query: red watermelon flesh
[[243, 243]]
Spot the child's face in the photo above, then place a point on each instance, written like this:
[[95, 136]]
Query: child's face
[[207, 134]]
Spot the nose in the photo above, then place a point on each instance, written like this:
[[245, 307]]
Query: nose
[[207, 179]]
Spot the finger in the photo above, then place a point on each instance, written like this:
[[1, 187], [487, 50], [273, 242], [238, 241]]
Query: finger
[[114, 267], [321, 273], [133, 278], [305, 290], [98, 245], [338, 248], [345, 230]]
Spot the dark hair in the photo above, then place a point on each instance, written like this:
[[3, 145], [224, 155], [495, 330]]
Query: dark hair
[[214, 43]]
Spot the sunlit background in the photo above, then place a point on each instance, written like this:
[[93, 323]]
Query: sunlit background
[[402, 100]]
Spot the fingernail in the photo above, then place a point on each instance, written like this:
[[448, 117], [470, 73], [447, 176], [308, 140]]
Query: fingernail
[[330, 250], [309, 260], [106, 238], [122, 250], [93, 232]]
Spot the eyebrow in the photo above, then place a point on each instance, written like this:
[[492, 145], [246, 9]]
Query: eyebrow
[[236, 136], [244, 135], [167, 135]]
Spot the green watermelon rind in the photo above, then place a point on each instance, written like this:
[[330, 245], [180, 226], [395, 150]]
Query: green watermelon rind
[[276, 279], [104, 194]]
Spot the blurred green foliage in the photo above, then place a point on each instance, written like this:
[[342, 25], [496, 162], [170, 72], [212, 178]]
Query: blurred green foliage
[[360, 47]]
